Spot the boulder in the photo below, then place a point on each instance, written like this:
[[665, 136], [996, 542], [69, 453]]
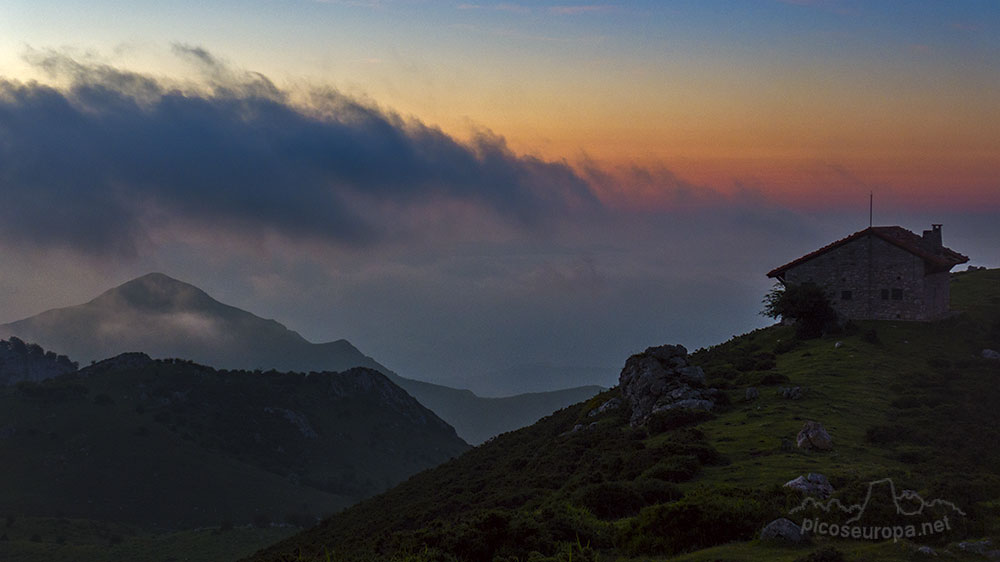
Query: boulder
[[660, 379], [791, 392], [976, 547], [692, 375], [752, 394], [582, 427], [782, 530], [812, 484], [991, 354], [687, 403], [814, 436]]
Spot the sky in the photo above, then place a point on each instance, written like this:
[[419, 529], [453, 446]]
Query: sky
[[502, 196]]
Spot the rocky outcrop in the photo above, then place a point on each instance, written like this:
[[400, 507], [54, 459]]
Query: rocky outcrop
[[814, 436], [812, 484], [661, 379], [20, 361], [782, 530], [612, 404]]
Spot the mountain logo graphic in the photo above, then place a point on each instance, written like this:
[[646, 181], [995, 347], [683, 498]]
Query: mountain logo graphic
[[900, 500]]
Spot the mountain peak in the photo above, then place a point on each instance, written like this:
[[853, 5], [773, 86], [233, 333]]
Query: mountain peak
[[158, 292], [156, 277]]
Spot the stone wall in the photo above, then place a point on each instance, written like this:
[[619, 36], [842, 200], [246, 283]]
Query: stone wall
[[869, 278], [937, 294]]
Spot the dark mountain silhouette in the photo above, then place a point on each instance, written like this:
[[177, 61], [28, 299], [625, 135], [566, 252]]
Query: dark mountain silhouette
[[167, 318], [174, 444]]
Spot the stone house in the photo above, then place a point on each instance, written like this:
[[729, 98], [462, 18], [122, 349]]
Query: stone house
[[880, 273]]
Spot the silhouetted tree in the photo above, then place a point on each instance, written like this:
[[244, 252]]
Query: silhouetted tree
[[805, 303]]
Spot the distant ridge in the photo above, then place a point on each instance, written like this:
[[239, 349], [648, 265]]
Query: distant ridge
[[167, 318]]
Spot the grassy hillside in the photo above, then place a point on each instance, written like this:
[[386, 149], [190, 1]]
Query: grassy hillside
[[913, 402], [171, 444]]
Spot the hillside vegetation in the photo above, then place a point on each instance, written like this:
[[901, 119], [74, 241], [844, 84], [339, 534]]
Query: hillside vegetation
[[20, 361], [176, 445], [914, 402]]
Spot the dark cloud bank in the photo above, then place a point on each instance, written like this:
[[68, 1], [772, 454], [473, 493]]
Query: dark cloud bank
[[527, 282], [94, 163]]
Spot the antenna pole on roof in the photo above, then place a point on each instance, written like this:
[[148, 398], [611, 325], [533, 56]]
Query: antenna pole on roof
[[871, 204]]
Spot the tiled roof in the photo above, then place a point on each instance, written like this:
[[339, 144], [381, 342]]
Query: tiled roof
[[941, 258]]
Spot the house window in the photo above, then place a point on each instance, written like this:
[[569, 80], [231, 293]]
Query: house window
[[845, 295], [885, 294], [897, 294]]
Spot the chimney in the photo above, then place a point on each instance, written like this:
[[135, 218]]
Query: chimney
[[933, 236]]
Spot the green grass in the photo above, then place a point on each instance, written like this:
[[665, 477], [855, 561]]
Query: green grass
[[910, 401], [925, 377]]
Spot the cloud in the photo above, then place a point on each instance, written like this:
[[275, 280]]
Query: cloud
[[98, 164]]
